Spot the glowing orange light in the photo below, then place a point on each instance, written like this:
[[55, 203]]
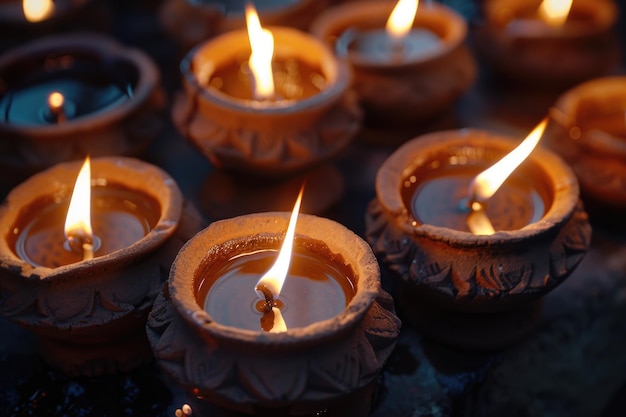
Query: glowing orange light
[[485, 184], [78, 221], [260, 62], [56, 101], [554, 12], [401, 19], [37, 10]]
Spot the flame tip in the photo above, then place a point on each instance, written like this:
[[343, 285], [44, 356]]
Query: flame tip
[[401, 18]]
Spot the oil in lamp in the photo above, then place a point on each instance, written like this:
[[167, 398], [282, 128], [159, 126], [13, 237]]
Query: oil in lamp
[[474, 243]]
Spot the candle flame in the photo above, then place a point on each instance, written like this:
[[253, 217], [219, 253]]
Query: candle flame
[[37, 10], [401, 18], [78, 220], [554, 12], [485, 184], [274, 278], [56, 101], [260, 62]]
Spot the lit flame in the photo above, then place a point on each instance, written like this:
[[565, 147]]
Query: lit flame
[[554, 12], [485, 184], [260, 62], [401, 18], [37, 10], [78, 220], [56, 101], [274, 278]]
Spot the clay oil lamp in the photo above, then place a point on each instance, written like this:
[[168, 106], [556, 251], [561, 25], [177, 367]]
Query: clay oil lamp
[[190, 22], [274, 110], [67, 96], [473, 253], [22, 20], [410, 63], [256, 330], [588, 130], [550, 43], [82, 276]]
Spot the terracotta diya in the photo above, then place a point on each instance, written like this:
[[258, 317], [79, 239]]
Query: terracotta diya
[[316, 347], [408, 72], [86, 295], [472, 273], [108, 102], [541, 43], [588, 130], [308, 117]]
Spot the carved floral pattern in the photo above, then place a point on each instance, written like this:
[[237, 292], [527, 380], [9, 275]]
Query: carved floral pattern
[[285, 149], [423, 264], [92, 298], [225, 371]]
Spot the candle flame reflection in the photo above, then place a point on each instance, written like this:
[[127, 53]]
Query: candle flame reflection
[[274, 278], [260, 62], [78, 221], [485, 184], [401, 19], [554, 12], [37, 10], [279, 321]]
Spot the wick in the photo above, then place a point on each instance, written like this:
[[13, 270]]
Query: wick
[[82, 244], [269, 297], [267, 320], [87, 251], [56, 104], [60, 115], [474, 205]]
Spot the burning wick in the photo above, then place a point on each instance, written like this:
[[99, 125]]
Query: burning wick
[[269, 301], [269, 286], [78, 221], [399, 23], [55, 105], [485, 184]]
